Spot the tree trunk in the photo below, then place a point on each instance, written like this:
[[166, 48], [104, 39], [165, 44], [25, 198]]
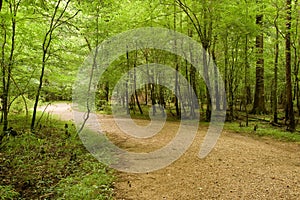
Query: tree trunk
[[3, 70], [6, 72], [216, 84], [246, 86], [259, 97], [153, 102], [4, 96], [208, 86], [135, 91], [274, 99], [106, 89], [226, 69], [177, 68], [54, 23], [296, 60], [178, 114], [289, 108], [126, 85], [38, 92], [194, 105]]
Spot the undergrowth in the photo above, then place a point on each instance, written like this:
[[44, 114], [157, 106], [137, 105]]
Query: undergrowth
[[51, 163], [264, 130]]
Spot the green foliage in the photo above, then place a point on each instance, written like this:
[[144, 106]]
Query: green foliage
[[233, 22], [50, 164], [92, 181], [8, 192], [264, 130], [233, 29]]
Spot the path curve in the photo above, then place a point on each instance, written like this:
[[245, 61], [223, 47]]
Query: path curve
[[239, 167]]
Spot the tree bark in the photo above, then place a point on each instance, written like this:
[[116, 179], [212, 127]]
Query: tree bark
[[290, 119], [259, 97], [246, 86], [177, 68], [134, 85], [6, 72], [126, 86], [296, 59], [274, 99]]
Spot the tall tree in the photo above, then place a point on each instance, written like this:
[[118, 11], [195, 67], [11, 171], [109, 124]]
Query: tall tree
[[8, 67], [176, 67], [289, 112], [259, 97], [204, 31], [57, 19], [275, 86]]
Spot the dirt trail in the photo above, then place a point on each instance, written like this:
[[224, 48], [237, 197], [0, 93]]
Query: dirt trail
[[62, 110], [239, 167]]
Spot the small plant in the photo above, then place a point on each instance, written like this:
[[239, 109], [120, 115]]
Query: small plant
[[8, 192], [92, 181]]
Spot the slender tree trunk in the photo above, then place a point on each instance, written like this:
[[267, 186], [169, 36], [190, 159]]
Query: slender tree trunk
[[216, 84], [246, 86], [3, 96], [38, 91], [289, 108], [226, 69], [13, 7], [206, 40], [208, 86], [147, 86], [275, 103], [54, 23], [177, 68], [134, 85], [4, 87], [126, 85], [231, 80], [106, 88], [3, 67], [193, 83], [177, 90], [162, 102], [146, 94], [152, 94]]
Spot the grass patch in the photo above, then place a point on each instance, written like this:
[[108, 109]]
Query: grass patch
[[264, 130], [50, 164]]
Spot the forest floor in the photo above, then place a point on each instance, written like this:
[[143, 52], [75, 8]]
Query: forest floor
[[239, 167]]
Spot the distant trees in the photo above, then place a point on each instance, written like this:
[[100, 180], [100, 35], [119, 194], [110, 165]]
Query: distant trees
[[21, 26], [203, 24], [43, 43]]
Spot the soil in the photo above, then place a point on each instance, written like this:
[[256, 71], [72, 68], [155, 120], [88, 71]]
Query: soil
[[239, 167]]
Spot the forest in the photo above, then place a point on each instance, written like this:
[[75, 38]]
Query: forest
[[255, 44]]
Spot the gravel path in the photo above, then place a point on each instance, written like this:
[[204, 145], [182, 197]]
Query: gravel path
[[239, 167]]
